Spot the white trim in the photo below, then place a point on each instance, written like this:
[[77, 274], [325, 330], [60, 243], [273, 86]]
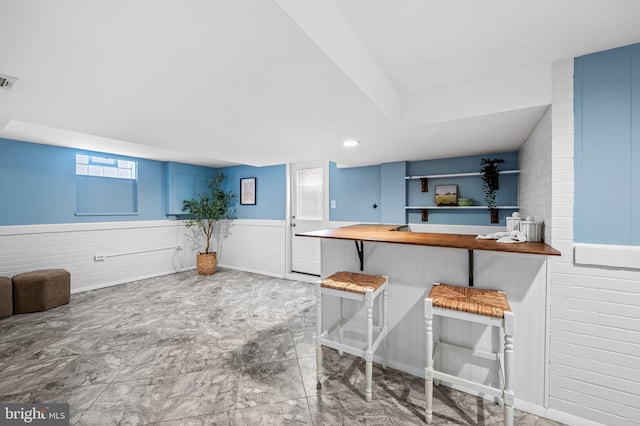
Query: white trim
[[612, 256], [260, 222], [296, 276], [288, 233], [569, 419], [84, 226], [547, 333], [102, 226], [250, 270]]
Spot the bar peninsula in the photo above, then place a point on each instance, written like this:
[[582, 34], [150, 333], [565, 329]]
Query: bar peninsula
[[413, 261]]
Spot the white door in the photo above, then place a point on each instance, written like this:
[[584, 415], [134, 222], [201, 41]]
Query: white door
[[309, 212]]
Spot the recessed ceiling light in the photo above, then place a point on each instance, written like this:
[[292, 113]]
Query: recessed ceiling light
[[350, 143], [7, 82]]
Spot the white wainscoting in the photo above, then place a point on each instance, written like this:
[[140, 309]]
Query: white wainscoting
[[255, 246], [413, 269], [135, 250]]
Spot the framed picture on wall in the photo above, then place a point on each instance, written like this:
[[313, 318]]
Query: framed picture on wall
[[446, 195], [248, 191]]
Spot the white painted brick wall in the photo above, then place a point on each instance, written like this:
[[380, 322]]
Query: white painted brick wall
[[257, 246], [534, 190], [73, 246], [594, 337]]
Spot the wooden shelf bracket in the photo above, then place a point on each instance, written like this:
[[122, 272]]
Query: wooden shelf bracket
[[425, 184]]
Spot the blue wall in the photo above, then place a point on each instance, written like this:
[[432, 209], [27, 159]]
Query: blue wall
[[271, 190], [38, 186], [393, 192], [607, 147], [184, 182], [355, 191], [468, 187]]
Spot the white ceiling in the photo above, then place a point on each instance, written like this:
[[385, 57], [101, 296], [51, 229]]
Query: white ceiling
[[277, 81]]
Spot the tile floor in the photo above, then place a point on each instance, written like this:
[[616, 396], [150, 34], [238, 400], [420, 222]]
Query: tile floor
[[232, 348]]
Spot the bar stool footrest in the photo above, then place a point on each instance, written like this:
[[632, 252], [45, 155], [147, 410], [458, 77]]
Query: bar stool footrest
[[455, 380], [350, 349], [476, 353]]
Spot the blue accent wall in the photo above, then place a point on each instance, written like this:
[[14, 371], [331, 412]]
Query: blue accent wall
[[38, 186], [99, 195], [271, 190], [607, 147], [184, 182], [393, 192], [468, 187], [355, 191]]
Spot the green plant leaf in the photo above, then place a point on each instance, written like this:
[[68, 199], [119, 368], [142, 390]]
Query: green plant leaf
[[209, 207]]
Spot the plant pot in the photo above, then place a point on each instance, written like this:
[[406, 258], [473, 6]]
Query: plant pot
[[494, 216], [206, 263]]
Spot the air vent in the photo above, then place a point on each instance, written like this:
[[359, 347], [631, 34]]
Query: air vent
[[7, 82]]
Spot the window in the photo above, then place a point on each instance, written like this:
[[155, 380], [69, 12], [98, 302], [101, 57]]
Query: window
[[309, 194], [92, 165], [106, 186]]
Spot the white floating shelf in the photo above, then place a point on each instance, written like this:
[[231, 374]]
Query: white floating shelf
[[452, 175]]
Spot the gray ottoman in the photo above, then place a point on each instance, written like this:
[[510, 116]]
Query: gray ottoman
[[41, 290], [6, 297]]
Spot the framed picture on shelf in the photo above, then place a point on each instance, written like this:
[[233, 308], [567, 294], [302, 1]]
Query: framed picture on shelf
[[446, 195], [248, 191]]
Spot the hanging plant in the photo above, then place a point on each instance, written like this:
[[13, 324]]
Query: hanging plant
[[489, 172]]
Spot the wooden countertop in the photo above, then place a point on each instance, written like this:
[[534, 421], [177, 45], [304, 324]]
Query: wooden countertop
[[390, 234]]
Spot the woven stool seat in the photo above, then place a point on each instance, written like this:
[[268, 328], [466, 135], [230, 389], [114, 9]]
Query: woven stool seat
[[353, 282], [491, 303]]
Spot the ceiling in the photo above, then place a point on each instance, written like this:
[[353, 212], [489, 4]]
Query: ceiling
[[264, 82]]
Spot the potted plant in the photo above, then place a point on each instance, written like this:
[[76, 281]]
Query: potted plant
[[489, 172], [205, 211]]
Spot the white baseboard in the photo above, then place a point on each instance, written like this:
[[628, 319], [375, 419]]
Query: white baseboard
[[569, 419], [251, 270], [294, 276]]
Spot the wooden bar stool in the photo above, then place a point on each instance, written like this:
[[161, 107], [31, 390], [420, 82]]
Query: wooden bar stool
[[364, 288], [488, 307]]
